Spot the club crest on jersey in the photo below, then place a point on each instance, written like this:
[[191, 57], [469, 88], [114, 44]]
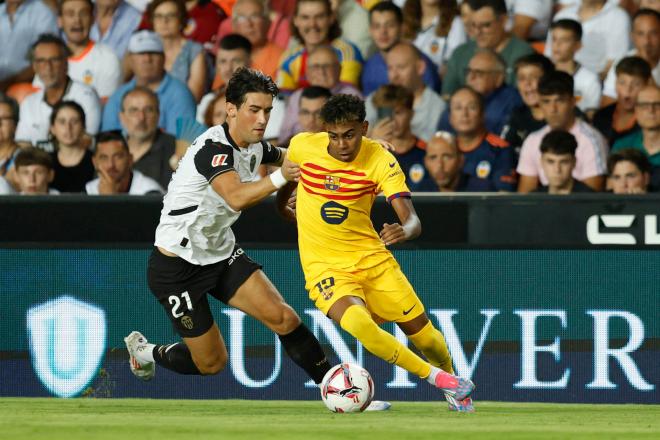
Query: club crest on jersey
[[416, 173], [483, 169], [332, 183], [219, 160]]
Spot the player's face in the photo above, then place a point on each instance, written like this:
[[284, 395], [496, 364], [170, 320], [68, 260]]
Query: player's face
[[564, 45], [626, 178], [627, 89], [309, 114], [557, 168], [384, 30], [527, 80], [558, 110], [139, 116], [464, 113], [443, 161], [313, 22], [68, 127], [50, 64], [34, 179], [76, 21], [113, 159], [248, 122], [345, 139]]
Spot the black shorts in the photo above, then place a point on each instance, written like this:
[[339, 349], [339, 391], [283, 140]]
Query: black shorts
[[181, 287]]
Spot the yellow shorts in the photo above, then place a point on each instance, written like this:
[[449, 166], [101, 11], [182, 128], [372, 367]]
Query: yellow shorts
[[384, 288]]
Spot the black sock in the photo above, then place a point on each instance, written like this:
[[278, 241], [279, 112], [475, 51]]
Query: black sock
[[304, 349], [175, 357]]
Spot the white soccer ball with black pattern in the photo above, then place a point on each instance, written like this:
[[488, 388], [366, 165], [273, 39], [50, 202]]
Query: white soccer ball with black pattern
[[347, 388]]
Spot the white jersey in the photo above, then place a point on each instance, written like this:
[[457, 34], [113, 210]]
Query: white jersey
[[140, 185], [195, 222], [587, 89]]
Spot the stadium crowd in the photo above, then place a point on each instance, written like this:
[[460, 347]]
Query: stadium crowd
[[549, 96]]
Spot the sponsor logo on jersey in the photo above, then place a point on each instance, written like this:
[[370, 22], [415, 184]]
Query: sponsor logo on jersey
[[237, 253], [333, 213], [483, 169], [219, 160], [332, 183], [416, 173]]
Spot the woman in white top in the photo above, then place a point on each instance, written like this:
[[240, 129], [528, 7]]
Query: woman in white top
[[435, 27]]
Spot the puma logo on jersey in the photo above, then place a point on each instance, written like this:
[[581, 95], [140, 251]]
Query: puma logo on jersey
[[219, 160]]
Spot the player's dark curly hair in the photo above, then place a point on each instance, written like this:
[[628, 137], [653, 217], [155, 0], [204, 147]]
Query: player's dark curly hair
[[343, 108], [245, 81]]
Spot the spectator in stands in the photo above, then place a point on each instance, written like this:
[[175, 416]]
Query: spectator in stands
[[629, 172], [527, 117], [315, 25], [204, 17], [558, 162], [353, 21], [618, 119], [466, 17], [558, 105], [216, 111], [250, 19], [385, 27], [5, 188], [90, 63], [184, 59], [234, 51], [8, 146], [49, 60], [566, 36], [34, 169], [645, 36], [115, 22], [150, 148], [647, 138], [114, 165], [308, 103], [148, 63], [444, 163], [72, 160], [394, 105], [485, 74], [405, 68], [650, 4], [435, 28], [323, 70], [21, 23], [278, 29], [605, 33], [489, 22], [530, 19], [488, 158]]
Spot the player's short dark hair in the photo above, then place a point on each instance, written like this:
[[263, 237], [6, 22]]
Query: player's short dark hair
[[343, 108], [235, 42], [570, 25], [389, 95], [13, 106], [634, 66], [480, 98], [556, 83], [535, 59], [645, 12], [315, 92], [60, 3], [559, 142], [33, 156], [67, 104], [246, 80], [49, 39], [111, 136], [498, 6], [387, 7], [632, 155]]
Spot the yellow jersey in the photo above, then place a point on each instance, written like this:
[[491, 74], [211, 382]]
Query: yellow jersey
[[334, 201]]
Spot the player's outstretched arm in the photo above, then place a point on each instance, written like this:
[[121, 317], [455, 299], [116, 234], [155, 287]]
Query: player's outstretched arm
[[240, 195], [409, 228], [285, 202]]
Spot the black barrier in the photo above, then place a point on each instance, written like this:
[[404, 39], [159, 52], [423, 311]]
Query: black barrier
[[455, 221]]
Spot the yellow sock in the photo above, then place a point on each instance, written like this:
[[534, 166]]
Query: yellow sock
[[358, 322], [432, 344]]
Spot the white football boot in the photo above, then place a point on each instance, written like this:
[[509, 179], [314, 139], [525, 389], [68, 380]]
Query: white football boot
[[136, 343]]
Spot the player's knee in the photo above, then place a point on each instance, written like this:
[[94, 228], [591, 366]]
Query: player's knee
[[212, 364], [285, 321], [357, 321]]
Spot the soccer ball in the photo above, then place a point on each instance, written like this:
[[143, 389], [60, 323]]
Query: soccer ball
[[347, 388]]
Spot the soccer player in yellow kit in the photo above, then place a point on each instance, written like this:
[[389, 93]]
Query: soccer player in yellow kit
[[350, 274]]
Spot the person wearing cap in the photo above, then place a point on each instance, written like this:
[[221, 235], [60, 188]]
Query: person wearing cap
[[147, 59]]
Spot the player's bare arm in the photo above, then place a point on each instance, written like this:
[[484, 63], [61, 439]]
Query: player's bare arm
[[240, 195], [285, 202], [409, 228]]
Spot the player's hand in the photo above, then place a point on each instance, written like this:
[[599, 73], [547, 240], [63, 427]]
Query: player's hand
[[387, 145], [392, 233], [290, 170], [383, 129]]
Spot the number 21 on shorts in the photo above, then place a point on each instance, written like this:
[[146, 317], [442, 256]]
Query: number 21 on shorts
[[176, 303]]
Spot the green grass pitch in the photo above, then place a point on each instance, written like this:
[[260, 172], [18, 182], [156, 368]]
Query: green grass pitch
[[144, 419]]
